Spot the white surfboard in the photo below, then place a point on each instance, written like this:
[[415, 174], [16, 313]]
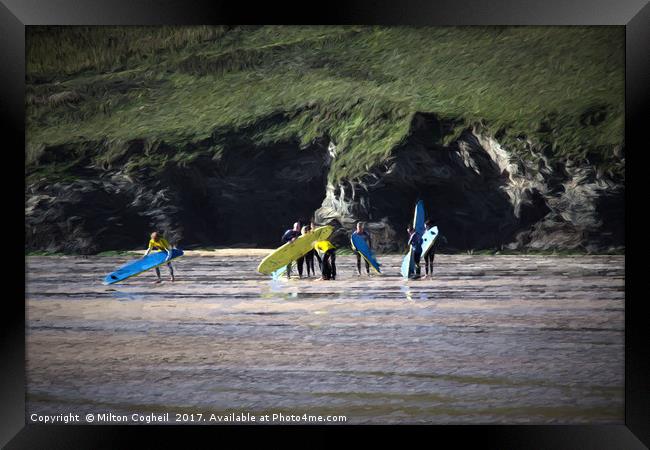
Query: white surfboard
[[428, 239]]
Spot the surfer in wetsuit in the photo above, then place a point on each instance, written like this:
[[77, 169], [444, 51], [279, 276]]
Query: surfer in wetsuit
[[428, 258], [366, 237], [312, 227], [431, 254], [289, 236], [328, 265], [309, 257], [160, 243], [415, 241]]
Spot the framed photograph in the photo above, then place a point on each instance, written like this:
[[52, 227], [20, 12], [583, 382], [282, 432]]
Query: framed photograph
[[396, 215]]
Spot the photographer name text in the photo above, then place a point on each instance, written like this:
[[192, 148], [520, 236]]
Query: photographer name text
[[136, 418]]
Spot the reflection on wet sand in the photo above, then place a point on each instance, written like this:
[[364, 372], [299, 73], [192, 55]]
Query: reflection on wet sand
[[507, 339]]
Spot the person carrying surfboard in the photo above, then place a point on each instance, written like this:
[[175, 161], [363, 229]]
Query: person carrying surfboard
[[328, 266], [300, 262], [415, 241], [312, 226], [431, 253], [360, 231], [309, 257], [428, 257], [160, 243], [289, 236]]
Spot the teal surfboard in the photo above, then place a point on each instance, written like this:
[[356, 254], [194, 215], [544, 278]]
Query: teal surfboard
[[428, 239], [278, 273], [138, 266], [408, 263], [360, 245]]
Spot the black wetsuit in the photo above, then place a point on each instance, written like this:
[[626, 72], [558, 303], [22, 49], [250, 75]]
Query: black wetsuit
[[428, 258], [309, 262], [300, 262], [366, 237], [415, 241], [329, 265], [320, 260], [286, 237]]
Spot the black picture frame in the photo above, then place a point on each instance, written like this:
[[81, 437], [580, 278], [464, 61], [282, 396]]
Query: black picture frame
[[16, 14]]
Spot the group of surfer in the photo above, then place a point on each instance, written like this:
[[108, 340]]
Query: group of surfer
[[327, 262], [323, 250], [415, 242]]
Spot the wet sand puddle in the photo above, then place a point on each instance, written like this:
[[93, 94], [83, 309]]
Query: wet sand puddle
[[490, 339]]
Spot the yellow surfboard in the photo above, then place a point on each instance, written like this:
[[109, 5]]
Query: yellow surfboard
[[293, 250]]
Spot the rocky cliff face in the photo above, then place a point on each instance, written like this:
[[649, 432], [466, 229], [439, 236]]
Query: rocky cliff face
[[482, 197], [478, 193], [246, 197]]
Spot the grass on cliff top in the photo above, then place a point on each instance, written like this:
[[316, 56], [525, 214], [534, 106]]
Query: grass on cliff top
[[561, 86]]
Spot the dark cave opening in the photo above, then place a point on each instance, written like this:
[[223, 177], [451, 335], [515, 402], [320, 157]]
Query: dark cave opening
[[468, 219], [463, 189], [254, 194]]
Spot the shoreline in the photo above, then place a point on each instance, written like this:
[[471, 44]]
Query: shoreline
[[262, 252]]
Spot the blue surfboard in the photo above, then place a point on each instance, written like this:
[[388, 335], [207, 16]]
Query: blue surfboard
[[428, 239], [138, 266], [418, 217], [360, 245], [408, 263]]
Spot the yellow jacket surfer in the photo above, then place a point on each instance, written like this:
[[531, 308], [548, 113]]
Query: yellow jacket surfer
[[160, 243], [328, 252]]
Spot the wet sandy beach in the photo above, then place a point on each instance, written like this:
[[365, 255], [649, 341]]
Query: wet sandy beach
[[490, 339]]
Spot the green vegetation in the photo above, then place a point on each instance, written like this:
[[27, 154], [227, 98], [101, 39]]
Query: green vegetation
[[99, 88]]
